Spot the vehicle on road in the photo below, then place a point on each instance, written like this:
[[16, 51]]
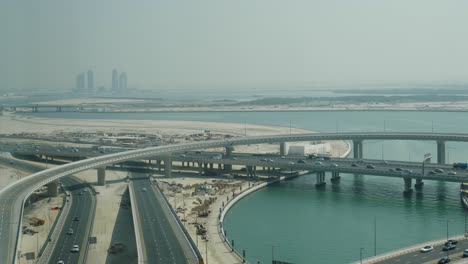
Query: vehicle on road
[[354, 165], [449, 246], [301, 161], [80, 193], [392, 170], [460, 166], [465, 253], [291, 163], [438, 170], [143, 189], [452, 241], [76, 219], [75, 248], [370, 166], [444, 260], [432, 172], [452, 173], [282, 157], [263, 159], [334, 165], [60, 262], [398, 169], [318, 163], [85, 190], [426, 249], [70, 232]]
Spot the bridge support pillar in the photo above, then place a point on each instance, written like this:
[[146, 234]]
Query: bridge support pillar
[[211, 166], [419, 184], [200, 172], [357, 149], [159, 164], [283, 151], [408, 189], [168, 167], [101, 176], [441, 152], [228, 167], [320, 179], [335, 177], [52, 189]]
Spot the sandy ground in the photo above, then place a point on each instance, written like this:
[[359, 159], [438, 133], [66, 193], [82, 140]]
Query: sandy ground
[[41, 209], [77, 101], [462, 105], [109, 213], [217, 251], [113, 222], [10, 124], [9, 175]]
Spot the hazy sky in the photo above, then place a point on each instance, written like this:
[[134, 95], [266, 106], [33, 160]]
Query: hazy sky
[[227, 44]]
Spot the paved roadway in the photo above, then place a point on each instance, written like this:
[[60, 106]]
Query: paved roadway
[[429, 257], [12, 196], [82, 207], [160, 241], [75, 186]]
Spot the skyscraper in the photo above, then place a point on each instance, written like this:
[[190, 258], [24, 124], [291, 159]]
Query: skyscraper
[[80, 83], [115, 81], [90, 82], [123, 82]]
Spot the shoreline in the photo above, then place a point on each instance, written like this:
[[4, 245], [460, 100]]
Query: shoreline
[[442, 110], [247, 192]]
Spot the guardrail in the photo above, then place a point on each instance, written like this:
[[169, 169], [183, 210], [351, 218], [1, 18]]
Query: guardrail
[[91, 225], [136, 223], [187, 236], [41, 178], [57, 227]]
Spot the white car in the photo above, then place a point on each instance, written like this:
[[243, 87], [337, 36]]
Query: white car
[[452, 173], [60, 262], [427, 249], [318, 163], [75, 248], [333, 165]]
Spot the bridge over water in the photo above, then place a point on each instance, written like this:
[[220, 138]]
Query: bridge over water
[[17, 193]]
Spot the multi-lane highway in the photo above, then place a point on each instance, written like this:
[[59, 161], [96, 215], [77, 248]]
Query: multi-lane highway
[[79, 222], [82, 203], [434, 255], [16, 193], [161, 243]]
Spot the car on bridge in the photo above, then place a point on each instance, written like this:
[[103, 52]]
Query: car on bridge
[[439, 170], [452, 173], [75, 248], [370, 166], [465, 253], [449, 246], [334, 165], [301, 161], [354, 165], [426, 249], [444, 260]]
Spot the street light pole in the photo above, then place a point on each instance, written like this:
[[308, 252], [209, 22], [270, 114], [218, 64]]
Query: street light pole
[[447, 239], [360, 254]]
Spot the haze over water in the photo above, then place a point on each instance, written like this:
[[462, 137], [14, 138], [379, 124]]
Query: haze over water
[[306, 225]]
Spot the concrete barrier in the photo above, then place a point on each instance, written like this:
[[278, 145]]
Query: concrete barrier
[[136, 224]]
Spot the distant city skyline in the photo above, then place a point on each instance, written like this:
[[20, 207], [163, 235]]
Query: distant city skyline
[[225, 45]]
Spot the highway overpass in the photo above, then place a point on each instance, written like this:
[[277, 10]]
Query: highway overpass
[[14, 195]]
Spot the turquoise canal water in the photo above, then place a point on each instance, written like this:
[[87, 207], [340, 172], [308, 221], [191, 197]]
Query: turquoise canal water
[[293, 221]]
